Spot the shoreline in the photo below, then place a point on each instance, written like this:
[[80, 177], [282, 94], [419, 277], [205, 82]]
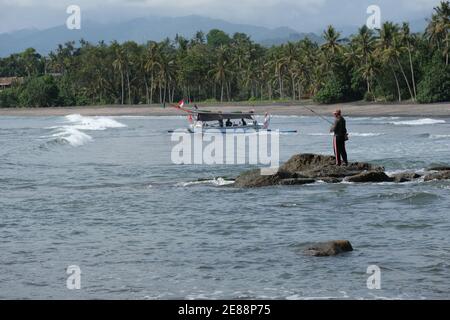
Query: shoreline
[[349, 109]]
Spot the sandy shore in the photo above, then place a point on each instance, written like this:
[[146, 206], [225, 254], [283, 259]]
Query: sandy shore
[[349, 109]]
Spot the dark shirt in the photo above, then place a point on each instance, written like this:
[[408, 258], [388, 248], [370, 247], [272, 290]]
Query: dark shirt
[[339, 128]]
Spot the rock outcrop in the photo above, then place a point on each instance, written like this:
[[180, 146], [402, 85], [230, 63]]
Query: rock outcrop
[[331, 248], [309, 168], [440, 175]]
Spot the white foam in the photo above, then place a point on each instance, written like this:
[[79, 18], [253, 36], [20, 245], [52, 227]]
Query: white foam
[[92, 123], [368, 134], [72, 136], [319, 134], [439, 136], [72, 131], [216, 182], [418, 122], [353, 134]]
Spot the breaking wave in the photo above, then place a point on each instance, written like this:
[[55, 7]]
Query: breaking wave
[[418, 122], [215, 182], [439, 136], [72, 131], [353, 134]]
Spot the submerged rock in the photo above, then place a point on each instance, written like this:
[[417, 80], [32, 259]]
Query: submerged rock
[[370, 176], [330, 248], [441, 175], [439, 168], [297, 181], [405, 177]]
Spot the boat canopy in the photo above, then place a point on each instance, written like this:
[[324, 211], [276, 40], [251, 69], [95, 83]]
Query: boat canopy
[[212, 116]]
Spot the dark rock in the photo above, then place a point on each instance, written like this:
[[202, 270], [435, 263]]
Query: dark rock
[[296, 181], [308, 168], [405, 177], [439, 168], [305, 162], [254, 179], [315, 163], [370, 176], [330, 179], [330, 248], [441, 175]]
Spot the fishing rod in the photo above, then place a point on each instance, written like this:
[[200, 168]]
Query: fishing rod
[[322, 117]]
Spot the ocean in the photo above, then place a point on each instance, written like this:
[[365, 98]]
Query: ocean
[[102, 193]]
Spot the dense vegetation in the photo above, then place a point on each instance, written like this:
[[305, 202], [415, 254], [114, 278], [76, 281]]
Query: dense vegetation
[[390, 64]]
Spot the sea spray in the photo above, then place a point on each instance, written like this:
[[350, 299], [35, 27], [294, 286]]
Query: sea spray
[[71, 132]]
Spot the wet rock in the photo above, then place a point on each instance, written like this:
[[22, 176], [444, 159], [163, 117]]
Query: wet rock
[[316, 163], [330, 180], [370, 176], [441, 175], [330, 248], [439, 168], [254, 179], [405, 177], [308, 168], [296, 181]]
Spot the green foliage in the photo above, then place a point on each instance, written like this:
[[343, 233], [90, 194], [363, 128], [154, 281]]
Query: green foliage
[[334, 91], [435, 85], [217, 38], [9, 98], [39, 92], [390, 64]]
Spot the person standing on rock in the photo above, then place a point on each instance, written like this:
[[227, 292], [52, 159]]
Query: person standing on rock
[[340, 136]]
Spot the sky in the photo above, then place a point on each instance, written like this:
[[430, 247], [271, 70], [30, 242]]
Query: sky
[[300, 15]]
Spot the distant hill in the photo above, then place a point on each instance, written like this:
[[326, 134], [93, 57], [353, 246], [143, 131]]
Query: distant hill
[[141, 30]]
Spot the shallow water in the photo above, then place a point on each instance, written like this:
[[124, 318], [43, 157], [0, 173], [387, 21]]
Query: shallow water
[[102, 193]]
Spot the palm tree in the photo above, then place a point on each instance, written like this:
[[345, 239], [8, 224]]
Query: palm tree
[[369, 71], [390, 50], [290, 57], [221, 70], [406, 39], [152, 64], [119, 64], [363, 45], [438, 28], [331, 49]]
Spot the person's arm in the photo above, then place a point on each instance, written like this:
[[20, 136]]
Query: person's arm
[[333, 128]]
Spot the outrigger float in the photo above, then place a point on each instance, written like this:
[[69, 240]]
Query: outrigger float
[[202, 121]]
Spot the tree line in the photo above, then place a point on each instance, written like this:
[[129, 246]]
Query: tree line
[[389, 64]]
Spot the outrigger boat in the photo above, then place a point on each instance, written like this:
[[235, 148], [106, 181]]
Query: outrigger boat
[[202, 121]]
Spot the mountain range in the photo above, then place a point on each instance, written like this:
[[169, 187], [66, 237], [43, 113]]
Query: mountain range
[[156, 28], [141, 30]]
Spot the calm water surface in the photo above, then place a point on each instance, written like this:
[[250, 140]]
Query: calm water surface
[[102, 193]]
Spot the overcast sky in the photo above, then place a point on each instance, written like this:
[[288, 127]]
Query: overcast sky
[[301, 15]]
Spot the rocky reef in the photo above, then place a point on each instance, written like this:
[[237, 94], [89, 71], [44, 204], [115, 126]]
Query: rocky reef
[[310, 168]]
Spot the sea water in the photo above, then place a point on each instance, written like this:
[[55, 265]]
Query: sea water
[[102, 193]]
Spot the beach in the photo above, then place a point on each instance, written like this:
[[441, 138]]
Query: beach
[[350, 109]]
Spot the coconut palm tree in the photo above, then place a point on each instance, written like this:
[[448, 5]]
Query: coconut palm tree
[[438, 28], [221, 70], [406, 38], [119, 65], [390, 50]]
